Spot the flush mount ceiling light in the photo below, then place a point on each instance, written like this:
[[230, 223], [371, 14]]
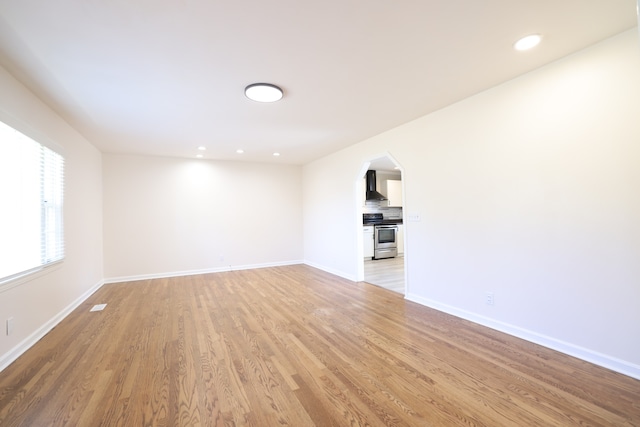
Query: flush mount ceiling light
[[263, 92], [528, 42]]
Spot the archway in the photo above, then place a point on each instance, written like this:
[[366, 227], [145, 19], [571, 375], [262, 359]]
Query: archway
[[389, 270]]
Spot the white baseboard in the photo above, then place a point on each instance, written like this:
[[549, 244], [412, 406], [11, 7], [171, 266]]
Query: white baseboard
[[332, 271], [609, 362], [9, 357], [195, 272]]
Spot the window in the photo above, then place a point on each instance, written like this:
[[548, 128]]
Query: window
[[31, 198]]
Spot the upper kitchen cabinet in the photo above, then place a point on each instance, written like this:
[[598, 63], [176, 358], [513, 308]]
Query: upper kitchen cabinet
[[394, 192]]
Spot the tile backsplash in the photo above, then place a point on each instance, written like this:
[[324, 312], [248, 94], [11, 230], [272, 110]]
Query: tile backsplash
[[388, 212]]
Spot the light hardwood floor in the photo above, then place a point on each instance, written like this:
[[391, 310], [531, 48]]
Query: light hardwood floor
[[295, 346], [387, 273]]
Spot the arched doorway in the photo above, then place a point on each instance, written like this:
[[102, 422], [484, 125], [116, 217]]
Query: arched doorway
[[387, 271]]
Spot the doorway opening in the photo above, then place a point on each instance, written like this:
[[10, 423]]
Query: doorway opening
[[380, 203]]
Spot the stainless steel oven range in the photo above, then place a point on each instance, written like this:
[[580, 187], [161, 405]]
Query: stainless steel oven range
[[385, 241], [385, 236]]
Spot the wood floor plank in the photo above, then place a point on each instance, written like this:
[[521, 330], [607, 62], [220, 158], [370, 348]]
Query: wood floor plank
[[300, 347]]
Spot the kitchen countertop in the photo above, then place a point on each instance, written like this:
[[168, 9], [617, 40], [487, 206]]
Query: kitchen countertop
[[385, 222]]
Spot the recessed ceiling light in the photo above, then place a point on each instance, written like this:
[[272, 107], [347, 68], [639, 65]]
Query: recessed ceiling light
[[199, 156], [239, 151], [202, 148], [263, 92], [276, 154], [528, 42]]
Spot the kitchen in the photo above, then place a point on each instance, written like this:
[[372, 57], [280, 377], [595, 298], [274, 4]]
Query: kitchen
[[383, 228]]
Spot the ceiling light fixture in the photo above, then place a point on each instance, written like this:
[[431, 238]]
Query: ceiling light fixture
[[528, 42], [239, 151], [202, 148], [199, 156], [263, 92], [276, 154]]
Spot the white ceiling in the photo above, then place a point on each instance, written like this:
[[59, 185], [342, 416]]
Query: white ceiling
[[161, 77]]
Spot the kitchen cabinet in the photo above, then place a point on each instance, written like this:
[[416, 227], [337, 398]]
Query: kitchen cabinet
[[394, 192], [367, 241], [400, 239]]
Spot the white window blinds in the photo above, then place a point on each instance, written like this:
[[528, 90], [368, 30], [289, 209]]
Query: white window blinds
[[31, 205]]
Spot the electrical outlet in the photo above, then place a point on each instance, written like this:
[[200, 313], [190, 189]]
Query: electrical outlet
[[9, 325], [488, 298], [221, 258], [413, 217]]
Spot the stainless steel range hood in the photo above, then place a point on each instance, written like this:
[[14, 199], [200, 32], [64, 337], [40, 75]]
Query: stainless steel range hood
[[372, 193]]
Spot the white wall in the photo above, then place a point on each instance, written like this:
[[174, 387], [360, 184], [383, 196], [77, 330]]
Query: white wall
[[167, 216], [38, 304], [332, 198], [529, 190]]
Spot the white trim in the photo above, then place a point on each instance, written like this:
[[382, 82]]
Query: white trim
[[31, 132], [27, 276], [222, 269], [9, 357], [582, 353], [591, 356], [194, 272], [332, 271]]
